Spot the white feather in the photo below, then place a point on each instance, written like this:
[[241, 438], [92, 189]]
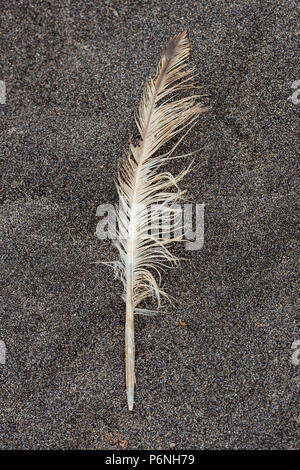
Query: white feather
[[143, 185]]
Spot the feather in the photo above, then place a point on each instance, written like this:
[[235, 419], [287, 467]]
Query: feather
[[142, 185]]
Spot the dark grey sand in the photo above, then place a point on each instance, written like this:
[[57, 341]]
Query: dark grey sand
[[74, 73]]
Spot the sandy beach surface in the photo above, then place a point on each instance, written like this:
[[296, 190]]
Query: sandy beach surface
[[214, 370]]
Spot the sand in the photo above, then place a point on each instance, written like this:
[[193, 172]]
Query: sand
[[214, 370]]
